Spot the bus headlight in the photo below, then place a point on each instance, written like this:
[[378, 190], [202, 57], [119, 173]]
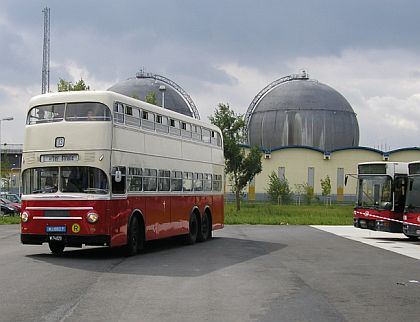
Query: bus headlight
[[24, 216], [92, 217]]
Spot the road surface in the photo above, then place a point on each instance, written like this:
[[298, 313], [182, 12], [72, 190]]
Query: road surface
[[246, 273]]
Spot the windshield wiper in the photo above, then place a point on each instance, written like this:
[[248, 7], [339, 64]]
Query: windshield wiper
[[95, 190], [412, 207]]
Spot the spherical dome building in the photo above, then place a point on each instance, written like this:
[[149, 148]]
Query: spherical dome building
[[168, 94], [297, 111]]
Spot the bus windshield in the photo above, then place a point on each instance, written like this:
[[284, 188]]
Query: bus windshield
[[413, 195], [81, 111], [374, 192], [65, 179]]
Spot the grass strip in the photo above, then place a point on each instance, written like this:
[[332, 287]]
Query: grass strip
[[7, 220], [271, 214]]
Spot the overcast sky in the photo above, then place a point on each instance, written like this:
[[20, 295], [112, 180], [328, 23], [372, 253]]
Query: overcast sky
[[223, 51]]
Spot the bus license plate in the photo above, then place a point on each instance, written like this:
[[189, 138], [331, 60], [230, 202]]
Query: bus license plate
[[55, 229], [55, 238]]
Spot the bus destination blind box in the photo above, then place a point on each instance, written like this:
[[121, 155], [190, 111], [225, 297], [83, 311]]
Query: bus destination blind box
[[59, 157]]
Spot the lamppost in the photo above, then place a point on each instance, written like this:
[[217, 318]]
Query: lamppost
[[162, 88], [10, 118]]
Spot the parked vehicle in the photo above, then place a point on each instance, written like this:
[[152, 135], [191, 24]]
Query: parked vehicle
[[11, 196], [134, 172], [411, 218], [381, 193], [6, 209], [15, 205]]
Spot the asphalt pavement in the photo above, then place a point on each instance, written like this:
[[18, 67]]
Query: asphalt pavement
[[245, 273]]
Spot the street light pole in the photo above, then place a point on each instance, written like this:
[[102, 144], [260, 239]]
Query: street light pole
[[10, 118], [162, 88]]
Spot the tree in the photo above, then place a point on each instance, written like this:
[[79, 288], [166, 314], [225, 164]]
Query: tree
[[5, 167], [151, 98], [326, 186], [278, 188], [81, 86], [65, 86], [306, 190], [240, 166]]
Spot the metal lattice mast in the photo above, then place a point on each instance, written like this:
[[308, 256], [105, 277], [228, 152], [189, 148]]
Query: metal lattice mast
[[46, 53]]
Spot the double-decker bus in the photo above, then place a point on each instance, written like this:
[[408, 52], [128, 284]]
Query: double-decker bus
[[381, 193], [411, 218], [100, 168]]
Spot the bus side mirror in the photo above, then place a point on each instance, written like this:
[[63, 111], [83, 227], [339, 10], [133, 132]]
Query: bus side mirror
[[345, 180], [118, 176]]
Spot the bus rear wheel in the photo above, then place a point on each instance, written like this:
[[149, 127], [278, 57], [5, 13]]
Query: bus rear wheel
[[193, 230], [56, 248], [205, 231]]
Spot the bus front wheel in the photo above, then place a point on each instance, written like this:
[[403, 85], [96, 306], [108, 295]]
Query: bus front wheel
[[56, 248], [135, 240]]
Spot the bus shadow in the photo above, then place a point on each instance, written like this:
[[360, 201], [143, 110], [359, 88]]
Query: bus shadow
[[394, 239], [165, 257]]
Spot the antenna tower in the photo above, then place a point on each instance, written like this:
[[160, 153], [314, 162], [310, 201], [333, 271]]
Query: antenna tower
[[46, 52]]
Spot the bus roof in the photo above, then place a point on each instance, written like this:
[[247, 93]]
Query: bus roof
[[391, 167], [383, 162], [101, 96]]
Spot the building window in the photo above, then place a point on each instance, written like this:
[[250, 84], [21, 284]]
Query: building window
[[282, 173], [311, 177]]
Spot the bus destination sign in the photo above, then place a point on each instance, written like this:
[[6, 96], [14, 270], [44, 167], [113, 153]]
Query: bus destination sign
[[59, 157]]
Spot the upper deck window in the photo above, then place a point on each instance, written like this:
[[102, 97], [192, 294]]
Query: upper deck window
[[84, 111], [88, 111], [196, 132], [206, 135], [162, 123], [46, 114], [174, 127]]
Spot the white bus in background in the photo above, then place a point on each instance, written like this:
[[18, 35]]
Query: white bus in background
[[100, 168]]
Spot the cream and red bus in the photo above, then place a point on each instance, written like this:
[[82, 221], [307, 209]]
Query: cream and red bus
[[100, 168], [381, 193]]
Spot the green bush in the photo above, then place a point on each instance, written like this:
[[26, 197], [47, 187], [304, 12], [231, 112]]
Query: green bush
[[278, 189]]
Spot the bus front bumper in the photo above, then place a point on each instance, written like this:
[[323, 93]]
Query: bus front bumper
[[411, 230], [68, 240], [364, 223], [388, 226]]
